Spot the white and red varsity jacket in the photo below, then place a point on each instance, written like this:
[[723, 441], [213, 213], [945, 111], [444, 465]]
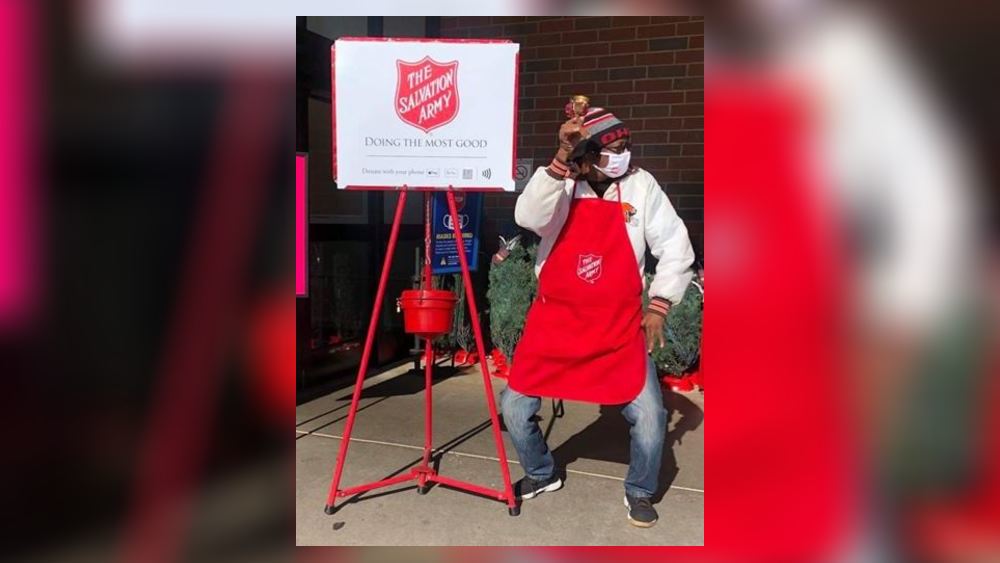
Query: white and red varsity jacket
[[650, 221]]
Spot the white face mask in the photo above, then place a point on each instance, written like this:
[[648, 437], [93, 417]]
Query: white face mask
[[617, 164]]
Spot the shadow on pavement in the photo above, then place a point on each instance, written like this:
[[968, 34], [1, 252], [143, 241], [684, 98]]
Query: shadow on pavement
[[409, 383], [607, 439]]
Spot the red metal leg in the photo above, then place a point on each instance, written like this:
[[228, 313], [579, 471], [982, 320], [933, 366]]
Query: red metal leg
[[366, 354], [466, 486], [376, 485], [474, 314]]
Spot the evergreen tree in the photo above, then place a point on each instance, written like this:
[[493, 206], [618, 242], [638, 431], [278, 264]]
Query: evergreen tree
[[512, 289]]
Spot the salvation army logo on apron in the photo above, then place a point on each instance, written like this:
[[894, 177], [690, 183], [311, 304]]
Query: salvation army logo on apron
[[588, 267], [426, 93]]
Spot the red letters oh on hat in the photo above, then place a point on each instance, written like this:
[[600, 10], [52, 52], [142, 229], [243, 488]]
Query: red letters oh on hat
[[604, 129]]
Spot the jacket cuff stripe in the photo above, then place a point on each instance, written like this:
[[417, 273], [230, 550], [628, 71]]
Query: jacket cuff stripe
[[659, 306]]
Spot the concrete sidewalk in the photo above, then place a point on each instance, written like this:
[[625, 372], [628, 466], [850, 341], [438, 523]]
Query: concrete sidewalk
[[590, 442]]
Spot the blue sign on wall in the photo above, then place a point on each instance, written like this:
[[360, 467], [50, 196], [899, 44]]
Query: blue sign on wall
[[444, 252]]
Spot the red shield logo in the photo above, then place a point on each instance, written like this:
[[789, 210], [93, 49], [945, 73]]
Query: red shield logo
[[427, 93], [588, 267]]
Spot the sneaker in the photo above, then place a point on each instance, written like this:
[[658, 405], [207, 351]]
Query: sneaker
[[529, 488], [640, 511]]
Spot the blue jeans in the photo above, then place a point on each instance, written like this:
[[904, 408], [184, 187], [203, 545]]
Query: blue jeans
[[645, 413]]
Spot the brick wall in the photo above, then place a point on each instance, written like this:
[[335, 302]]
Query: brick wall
[[647, 70]]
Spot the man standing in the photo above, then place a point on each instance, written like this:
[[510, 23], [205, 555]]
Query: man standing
[[586, 337]]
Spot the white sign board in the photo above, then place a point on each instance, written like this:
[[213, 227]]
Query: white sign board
[[424, 113]]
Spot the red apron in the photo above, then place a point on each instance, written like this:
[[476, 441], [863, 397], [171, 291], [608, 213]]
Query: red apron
[[583, 336]]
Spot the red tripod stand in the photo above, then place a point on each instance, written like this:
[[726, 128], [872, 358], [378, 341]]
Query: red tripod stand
[[423, 473]]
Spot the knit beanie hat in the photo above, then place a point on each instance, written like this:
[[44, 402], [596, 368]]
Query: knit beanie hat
[[604, 129]]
